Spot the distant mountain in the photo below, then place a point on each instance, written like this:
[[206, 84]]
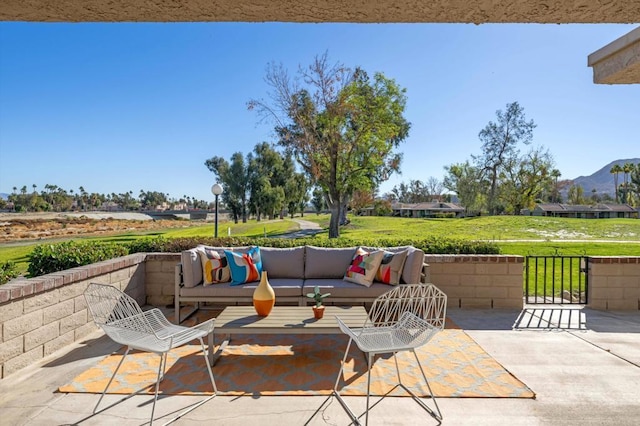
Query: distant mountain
[[602, 180], [4, 195]]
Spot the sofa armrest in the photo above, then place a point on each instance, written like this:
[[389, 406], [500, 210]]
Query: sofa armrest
[[176, 291], [425, 277]]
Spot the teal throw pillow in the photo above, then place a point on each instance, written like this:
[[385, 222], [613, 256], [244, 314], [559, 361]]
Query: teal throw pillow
[[245, 267]]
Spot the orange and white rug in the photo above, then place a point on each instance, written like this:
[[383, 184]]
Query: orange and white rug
[[455, 365]]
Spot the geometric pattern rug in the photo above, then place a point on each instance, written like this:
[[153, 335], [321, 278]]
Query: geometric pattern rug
[[455, 365]]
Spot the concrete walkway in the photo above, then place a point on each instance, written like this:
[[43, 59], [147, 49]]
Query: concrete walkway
[[307, 229], [587, 376]]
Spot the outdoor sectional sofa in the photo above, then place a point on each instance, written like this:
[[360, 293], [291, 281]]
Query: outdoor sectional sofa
[[292, 272]]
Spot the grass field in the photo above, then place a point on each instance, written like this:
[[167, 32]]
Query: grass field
[[18, 252], [519, 235]]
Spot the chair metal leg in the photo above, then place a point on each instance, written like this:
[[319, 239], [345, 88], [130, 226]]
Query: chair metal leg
[[366, 416], [397, 368], [437, 414], [111, 379], [344, 360], [342, 402], [213, 383], [163, 364], [155, 397], [206, 361]]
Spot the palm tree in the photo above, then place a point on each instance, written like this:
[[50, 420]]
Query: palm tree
[[615, 170], [555, 174], [627, 168]]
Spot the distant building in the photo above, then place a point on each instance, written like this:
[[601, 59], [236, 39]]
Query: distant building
[[110, 206], [598, 211], [419, 210]]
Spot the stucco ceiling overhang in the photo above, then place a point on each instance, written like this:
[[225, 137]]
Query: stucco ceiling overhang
[[467, 11], [619, 61], [610, 67]]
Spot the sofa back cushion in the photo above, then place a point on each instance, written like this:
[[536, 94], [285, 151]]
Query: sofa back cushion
[[323, 262], [412, 271], [191, 267], [283, 262]]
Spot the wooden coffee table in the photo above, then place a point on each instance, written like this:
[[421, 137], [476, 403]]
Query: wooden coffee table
[[283, 320]]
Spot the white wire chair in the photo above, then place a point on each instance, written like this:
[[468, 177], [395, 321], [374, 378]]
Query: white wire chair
[[121, 318], [402, 319]]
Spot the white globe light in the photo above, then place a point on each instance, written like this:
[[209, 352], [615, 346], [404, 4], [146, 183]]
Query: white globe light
[[216, 189]]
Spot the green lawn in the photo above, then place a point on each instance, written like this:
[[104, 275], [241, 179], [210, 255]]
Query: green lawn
[[545, 236], [19, 253], [498, 228]]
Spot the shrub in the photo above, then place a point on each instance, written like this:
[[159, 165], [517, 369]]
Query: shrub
[[8, 271], [148, 245], [48, 258], [433, 245]]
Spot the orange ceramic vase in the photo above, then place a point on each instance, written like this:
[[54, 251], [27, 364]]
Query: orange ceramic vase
[[264, 297]]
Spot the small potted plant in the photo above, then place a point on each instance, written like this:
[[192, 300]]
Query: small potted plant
[[318, 309]]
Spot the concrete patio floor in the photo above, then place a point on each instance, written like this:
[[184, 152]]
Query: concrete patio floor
[[587, 373]]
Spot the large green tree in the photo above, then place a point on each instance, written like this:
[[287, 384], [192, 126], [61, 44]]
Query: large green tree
[[525, 179], [499, 146], [266, 172], [467, 182], [234, 175], [341, 125]]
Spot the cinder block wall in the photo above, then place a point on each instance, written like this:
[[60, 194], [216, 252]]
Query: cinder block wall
[[614, 283], [41, 315], [160, 278], [478, 281]]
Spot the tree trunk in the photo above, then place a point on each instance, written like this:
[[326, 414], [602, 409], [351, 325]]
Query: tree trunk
[[343, 215], [334, 222]]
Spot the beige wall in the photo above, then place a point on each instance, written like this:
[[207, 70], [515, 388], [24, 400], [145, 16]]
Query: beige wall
[[38, 316], [614, 283], [160, 278], [472, 281]]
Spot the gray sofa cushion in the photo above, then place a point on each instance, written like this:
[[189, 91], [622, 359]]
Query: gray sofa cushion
[[344, 289], [191, 268], [327, 262], [283, 287], [413, 266], [283, 262]]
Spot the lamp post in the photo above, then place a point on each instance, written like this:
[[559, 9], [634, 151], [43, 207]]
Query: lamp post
[[216, 190]]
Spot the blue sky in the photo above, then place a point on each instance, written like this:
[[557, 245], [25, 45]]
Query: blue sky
[[119, 107]]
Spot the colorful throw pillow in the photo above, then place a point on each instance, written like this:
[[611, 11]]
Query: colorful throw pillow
[[364, 266], [245, 267], [215, 267], [391, 266]]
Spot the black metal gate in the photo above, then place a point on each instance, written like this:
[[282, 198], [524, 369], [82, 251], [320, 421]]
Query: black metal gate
[[556, 280]]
